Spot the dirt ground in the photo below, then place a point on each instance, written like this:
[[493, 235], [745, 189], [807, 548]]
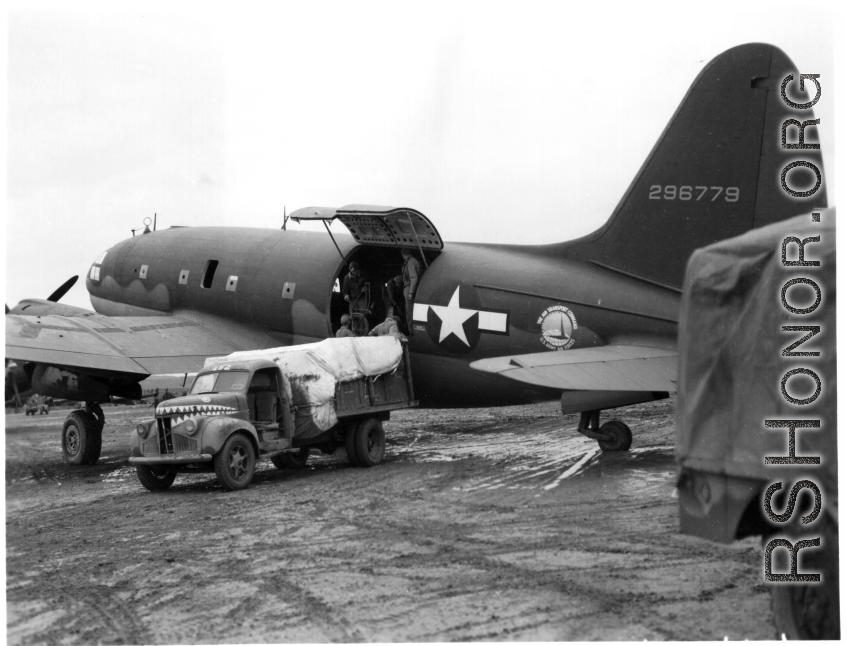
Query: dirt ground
[[481, 525]]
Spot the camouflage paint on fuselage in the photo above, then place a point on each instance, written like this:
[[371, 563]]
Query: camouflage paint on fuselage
[[498, 299]]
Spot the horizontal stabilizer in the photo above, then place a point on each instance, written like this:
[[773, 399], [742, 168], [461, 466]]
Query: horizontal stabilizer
[[609, 367]]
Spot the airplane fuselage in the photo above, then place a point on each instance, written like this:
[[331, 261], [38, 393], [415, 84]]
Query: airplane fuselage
[[264, 288]]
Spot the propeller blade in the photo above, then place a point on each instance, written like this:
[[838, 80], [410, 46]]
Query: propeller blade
[[70, 282]]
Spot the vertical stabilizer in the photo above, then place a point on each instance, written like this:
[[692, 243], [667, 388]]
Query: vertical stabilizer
[[715, 171]]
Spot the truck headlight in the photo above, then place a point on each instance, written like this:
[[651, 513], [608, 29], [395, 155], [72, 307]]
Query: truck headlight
[[190, 426], [141, 429]]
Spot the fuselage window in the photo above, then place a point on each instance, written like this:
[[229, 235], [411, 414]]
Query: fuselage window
[[209, 274]]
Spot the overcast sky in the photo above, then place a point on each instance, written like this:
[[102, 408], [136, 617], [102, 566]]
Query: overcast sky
[[520, 122]]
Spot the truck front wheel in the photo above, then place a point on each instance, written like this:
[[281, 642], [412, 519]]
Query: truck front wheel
[[154, 479], [370, 442], [235, 463]]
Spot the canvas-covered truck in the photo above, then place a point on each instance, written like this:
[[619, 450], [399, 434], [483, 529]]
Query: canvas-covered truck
[[280, 403], [756, 439]]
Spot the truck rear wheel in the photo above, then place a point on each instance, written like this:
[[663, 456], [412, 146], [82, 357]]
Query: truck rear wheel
[[811, 610], [350, 444], [370, 442], [291, 460], [154, 479], [81, 438], [235, 463]]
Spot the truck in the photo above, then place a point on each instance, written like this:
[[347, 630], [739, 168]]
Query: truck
[[742, 439], [239, 411]]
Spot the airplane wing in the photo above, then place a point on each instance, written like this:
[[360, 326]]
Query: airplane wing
[[131, 346], [608, 367]]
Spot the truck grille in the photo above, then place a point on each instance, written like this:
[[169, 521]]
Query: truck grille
[[167, 442], [150, 445], [183, 444]]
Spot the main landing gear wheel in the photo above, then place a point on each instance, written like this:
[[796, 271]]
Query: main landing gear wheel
[[292, 460], [154, 479], [235, 463], [370, 442], [614, 435], [620, 437], [810, 610], [82, 438]]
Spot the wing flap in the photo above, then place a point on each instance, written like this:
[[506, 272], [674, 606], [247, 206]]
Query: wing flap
[[110, 364], [610, 367]]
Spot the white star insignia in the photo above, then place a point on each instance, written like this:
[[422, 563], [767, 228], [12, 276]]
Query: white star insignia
[[452, 317]]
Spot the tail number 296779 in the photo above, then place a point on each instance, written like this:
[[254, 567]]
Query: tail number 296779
[[696, 193]]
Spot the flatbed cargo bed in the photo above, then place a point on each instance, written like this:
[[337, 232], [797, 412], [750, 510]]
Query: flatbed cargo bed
[[379, 393]]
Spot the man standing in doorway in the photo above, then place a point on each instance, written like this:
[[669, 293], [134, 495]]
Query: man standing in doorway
[[394, 303], [411, 277]]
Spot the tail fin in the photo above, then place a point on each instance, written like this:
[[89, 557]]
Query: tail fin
[[715, 171]]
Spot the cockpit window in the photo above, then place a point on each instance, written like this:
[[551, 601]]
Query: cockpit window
[[94, 274], [230, 381]]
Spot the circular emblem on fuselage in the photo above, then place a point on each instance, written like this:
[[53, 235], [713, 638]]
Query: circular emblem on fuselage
[[206, 399], [558, 324]]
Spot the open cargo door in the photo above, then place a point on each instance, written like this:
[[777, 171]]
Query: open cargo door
[[383, 226]]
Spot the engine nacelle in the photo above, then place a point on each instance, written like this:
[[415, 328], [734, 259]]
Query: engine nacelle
[[63, 384]]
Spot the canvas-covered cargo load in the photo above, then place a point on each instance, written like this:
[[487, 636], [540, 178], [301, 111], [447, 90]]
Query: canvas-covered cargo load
[[314, 369], [731, 344]]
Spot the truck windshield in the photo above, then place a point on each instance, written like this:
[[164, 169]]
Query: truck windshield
[[220, 382]]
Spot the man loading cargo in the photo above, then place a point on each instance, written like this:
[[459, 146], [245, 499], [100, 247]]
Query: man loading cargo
[[411, 277], [389, 327], [344, 330]]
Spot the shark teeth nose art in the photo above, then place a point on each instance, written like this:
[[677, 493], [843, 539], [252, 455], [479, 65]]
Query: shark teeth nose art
[[187, 412]]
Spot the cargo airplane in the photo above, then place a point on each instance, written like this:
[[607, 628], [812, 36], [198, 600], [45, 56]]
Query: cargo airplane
[[592, 322]]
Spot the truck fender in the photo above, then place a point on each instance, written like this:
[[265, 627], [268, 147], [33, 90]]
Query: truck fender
[[135, 440], [216, 431], [134, 444]]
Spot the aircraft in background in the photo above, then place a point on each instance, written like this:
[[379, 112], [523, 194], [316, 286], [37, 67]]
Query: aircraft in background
[[592, 321]]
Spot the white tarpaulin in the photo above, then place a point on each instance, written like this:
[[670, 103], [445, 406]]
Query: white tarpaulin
[[314, 369]]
